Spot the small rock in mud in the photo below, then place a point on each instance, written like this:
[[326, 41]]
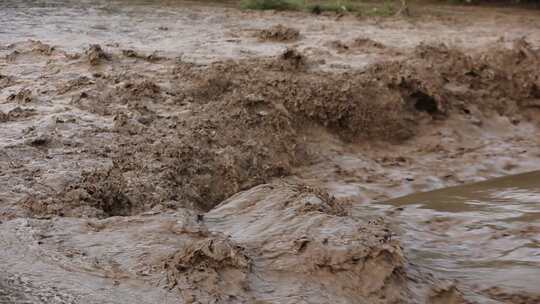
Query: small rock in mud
[[279, 33], [96, 55]]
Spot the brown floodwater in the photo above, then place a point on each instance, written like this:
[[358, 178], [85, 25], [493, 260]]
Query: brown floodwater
[[207, 31], [483, 234]]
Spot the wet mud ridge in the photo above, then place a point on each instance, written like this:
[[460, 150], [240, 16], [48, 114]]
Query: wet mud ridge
[[130, 177]]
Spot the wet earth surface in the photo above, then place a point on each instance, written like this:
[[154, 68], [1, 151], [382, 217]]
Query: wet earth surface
[[172, 152]]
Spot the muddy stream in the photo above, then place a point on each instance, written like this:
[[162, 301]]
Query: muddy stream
[[482, 234], [188, 152]]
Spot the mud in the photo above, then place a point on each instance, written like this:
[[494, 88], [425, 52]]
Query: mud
[[279, 33], [130, 176], [358, 45]]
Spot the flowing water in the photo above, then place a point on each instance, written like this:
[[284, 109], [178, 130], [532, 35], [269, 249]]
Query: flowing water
[[483, 234]]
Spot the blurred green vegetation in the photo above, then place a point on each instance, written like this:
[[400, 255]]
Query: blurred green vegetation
[[379, 8]]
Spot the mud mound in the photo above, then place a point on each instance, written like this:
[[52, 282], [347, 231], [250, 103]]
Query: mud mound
[[232, 125], [305, 251], [222, 145], [98, 194], [235, 146], [212, 270], [278, 33]]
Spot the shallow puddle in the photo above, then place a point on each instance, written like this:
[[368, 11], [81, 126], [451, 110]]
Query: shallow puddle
[[484, 234]]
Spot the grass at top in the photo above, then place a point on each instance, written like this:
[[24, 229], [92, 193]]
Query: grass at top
[[382, 8]]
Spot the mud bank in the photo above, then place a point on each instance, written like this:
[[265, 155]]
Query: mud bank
[[127, 175]]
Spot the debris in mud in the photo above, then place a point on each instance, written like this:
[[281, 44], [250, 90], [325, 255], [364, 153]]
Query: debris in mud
[[130, 53], [210, 270], [5, 81], [209, 162], [279, 33], [366, 43], [23, 96], [154, 57], [95, 54], [445, 294], [42, 48], [39, 140], [291, 59], [525, 48], [11, 57], [511, 298], [75, 84], [98, 194], [357, 45], [230, 145], [318, 200], [17, 113]]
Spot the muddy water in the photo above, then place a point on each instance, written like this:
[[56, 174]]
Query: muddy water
[[483, 234], [206, 31]]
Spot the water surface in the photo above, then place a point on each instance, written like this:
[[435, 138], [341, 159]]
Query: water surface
[[484, 234]]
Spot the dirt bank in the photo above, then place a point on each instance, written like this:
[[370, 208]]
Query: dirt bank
[[126, 174]]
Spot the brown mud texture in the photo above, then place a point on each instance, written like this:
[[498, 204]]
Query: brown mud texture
[[279, 33], [206, 157], [244, 121]]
